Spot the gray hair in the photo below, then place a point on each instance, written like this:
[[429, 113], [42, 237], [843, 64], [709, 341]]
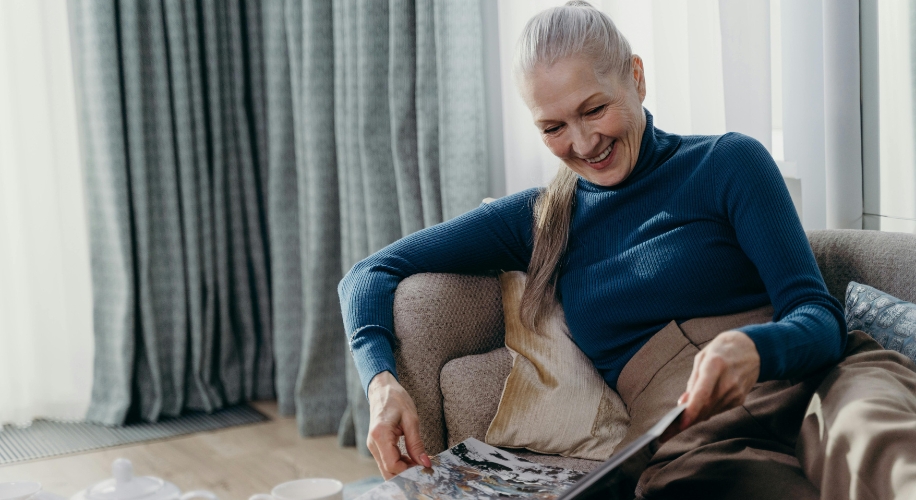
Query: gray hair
[[573, 29]]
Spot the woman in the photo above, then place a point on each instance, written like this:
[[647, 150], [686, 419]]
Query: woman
[[663, 227]]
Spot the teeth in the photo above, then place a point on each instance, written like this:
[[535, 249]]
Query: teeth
[[602, 156]]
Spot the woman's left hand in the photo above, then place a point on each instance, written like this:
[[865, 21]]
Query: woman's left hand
[[723, 374]]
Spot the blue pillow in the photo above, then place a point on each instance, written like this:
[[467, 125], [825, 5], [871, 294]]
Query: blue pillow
[[889, 320]]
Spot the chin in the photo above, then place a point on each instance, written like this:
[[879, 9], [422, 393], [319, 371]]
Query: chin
[[608, 177], [607, 182]]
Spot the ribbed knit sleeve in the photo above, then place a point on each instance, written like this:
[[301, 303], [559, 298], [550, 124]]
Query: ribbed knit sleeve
[[808, 330], [492, 236]]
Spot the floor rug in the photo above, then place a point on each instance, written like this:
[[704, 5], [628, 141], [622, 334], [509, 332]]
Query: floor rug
[[47, 438]]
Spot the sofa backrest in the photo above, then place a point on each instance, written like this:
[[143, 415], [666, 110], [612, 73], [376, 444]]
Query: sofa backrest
[[886, 261]]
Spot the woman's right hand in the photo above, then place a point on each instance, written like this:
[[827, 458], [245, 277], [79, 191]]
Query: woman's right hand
[[392, 414]]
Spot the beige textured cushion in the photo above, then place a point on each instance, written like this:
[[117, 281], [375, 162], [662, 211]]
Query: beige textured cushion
[[471, 387], [554, 400]]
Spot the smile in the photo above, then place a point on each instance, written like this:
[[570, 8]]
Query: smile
[[603, 154]]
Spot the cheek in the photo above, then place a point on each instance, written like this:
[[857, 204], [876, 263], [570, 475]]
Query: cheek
[[613, 125], [617, 122], [556, 146]]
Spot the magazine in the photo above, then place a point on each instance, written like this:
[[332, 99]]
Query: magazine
[[472, 469]]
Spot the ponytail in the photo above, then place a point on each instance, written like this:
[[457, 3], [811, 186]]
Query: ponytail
[[552, 217]]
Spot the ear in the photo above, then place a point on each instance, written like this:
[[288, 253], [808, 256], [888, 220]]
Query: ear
[[639, 77]]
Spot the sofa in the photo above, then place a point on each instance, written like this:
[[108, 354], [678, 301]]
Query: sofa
[[450, 350]]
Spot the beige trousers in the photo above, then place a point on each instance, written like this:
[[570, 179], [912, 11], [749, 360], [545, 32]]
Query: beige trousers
[[848, 431]]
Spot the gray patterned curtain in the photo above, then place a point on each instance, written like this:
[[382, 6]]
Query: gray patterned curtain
[[240, 157]]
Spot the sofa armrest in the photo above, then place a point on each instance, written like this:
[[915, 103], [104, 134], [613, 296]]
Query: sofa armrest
[[437, 318]]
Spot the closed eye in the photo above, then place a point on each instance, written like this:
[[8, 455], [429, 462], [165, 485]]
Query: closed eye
[[595, 111], [553, 129]]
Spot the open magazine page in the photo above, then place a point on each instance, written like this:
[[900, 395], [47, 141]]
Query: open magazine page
[[472, 469]]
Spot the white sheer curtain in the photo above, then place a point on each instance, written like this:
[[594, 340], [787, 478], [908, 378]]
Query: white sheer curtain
[[46, 340], [888, 91]]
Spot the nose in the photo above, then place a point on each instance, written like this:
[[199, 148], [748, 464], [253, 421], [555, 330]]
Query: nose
[[584, 141]]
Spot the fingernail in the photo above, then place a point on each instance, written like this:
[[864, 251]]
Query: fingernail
[[425, 460]]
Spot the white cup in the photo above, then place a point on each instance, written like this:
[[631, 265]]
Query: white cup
[[303, 489], [19, 490]]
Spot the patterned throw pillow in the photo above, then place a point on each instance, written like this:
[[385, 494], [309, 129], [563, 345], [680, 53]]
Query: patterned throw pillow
[[889, 320]]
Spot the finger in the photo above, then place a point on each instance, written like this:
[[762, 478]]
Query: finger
[[413, 442], [393, 461], [690, 382], [408, 461], [729, 394], [683, 399], [382, 468], [695, 372], [390, 454], [700, 394], [373, 449], [717, 403]]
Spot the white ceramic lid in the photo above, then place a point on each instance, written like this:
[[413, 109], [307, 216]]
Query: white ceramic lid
[[124, 485]]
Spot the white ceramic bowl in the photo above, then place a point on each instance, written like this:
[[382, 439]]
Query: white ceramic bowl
[[305, 489]]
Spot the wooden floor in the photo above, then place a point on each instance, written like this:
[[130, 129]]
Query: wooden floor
[[234, 463]]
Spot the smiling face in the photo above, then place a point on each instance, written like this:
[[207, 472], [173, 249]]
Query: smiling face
[[593, 123]]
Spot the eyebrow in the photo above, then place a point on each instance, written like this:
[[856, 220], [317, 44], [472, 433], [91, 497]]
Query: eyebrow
[[584, 104]]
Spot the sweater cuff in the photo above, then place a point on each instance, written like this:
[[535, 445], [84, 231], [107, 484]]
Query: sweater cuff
[[371, 349], [771, 347]]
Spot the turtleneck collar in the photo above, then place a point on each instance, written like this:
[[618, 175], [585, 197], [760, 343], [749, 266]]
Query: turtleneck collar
[[656, 147]]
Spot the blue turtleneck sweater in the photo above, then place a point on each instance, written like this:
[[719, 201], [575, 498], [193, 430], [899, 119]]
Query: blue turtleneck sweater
[[703, 226]]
